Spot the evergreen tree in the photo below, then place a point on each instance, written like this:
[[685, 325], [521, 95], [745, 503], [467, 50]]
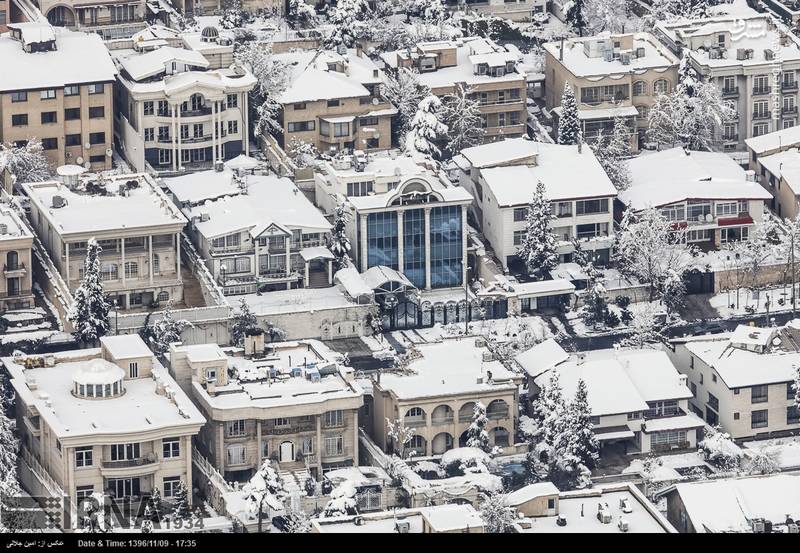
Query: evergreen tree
[[14, 517], [264, 491], [548, 411], [234, 16], [89, 310], [155, 505], [297, 522], [406, 92], [498, 517], [242, 322], [477, 436], [539, 246], [575, 17], [579, 437], [613, 154], [166, 331], [350, 21], [181, 503], [427, 128], [463, 118], [300, 14], [27, 163], [569, 125], [272, 78], [338, 242]]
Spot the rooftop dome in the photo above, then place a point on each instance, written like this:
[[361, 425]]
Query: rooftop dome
[[98, 371], [209, 34]]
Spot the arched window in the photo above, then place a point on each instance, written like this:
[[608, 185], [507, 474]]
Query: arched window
[[418, 445], [661, 86], [131, 269], [415, 414], [639, 88], [497, 409], [163, 296], [644, 112]]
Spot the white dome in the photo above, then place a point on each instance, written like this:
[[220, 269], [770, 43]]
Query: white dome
[[98, 371]]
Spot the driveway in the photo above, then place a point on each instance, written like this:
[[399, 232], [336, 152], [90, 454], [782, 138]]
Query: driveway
[[697, 307]]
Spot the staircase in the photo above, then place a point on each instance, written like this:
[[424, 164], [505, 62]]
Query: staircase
[[295, 480]]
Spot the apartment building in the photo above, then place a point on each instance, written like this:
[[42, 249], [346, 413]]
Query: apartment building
[[56, 85], [502, 179], [334, 101], [16, 242], [292, 402], [742, 381], [108, 420], [707, 195], [437, 519], [111, 20], [612, 76], [486, 69], [753, 61], [255, 232], [438, 395], [136, 225], [193, 8], [513, 10], [178, 111], [775, 160]]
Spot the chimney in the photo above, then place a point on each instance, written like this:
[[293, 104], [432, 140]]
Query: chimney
[[254, 343], [359, 50]]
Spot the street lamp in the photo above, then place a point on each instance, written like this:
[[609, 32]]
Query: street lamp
[[466, 300]]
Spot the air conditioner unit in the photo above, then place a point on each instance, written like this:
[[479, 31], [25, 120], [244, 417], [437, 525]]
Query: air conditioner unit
[[402, 527]]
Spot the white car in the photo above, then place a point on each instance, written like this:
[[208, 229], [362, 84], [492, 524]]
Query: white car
[[541, 17]]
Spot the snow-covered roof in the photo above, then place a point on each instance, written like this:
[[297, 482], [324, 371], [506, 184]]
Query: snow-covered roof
[[729, 505], [785, 165], [269, 200], [777, 140], [443, 518], [501, 152], [410, 186], [351, 280], [655, 55], [542, 357], [683, 422], [377, 276], [676, 175], [449, 518], [542, 288], [144, 205], [297, 300], [150, 64], [139, 410], [450, 367], [620, 381], [379, 165], [79, 58], [195, 188], [317, 252], [12, 226], [243, 163], [125, 346], [602, 113], [565, 172], [529, 492]]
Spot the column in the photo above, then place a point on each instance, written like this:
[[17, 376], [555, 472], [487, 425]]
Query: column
[[355, 437], [222, 457], [66, 272], [122, 269], [464, 235], [330, 272], [260, 454], [187, 444], [178, 158], [150, 256], [257, 270], [362, 238], [178, 255], [289, 260], [318, 449], [172, 150], [220, 143], [427, 248], [246, 120], [400, 245], [305, 278], [213, 133]]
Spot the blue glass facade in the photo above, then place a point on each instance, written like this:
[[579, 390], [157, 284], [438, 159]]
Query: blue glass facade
[[382, 239], [446, 247], [414, 246]]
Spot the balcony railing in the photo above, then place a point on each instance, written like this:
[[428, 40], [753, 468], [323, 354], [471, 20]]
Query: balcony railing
[[730, 138], [668, 447], [497, 414], [664, 413], [729, 92], [202, 110], [498, 102], [789, 111], [788, 86], [289, 429], [226, 249], [442, 420], [761, 90], [128, 463], [415, 421], [761, 115], [18, 268]]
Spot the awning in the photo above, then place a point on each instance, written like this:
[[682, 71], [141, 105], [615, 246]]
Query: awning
[[684, 422], [380, 112], [614, 433], [543, 288], [730, 221], [318, 252], [344, 119], [602, 113]]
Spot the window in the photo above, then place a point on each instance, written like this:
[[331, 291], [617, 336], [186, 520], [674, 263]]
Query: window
[[759, 394], [97, 138], [72, 140], [301, 126], [82, 492], [49, 94], [713, 402], [760, 129], [281, 421], [341, 129], [72, 114], [736, 416], [131, 269], [171, 485], [97, 112], [334, 418], [790, 392], [334, 445], [359, 188], [233, 127], [591, 230], [236, 454], [235, 428], [308, 446], [49, 117], [124, 487], [299, 106], [96, 88], [727, 209], [792, 415], [587, 207], [19, 97], [133, 369], [562, 209], [520, 214], [50, 143], [232, 101], [19, 120], [148, 108], [519, 237], [149, 134], [83, 457], [163, 107], [163, 295], [171, 447], [639, 88], [661, 86], [759, 419], [125, 452], [72, 90], [333, 103], [163, 134]]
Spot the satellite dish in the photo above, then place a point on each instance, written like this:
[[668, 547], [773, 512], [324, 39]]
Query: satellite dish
[[709, 217], [109, 152], [88, 164], [79, 160], [375, 101], [87, 146]]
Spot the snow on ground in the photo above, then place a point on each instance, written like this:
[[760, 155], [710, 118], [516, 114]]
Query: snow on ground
[[726, 304], [581, 329], [787, 450], [498, 330], [666, 466]]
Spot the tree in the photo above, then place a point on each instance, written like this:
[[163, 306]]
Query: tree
[[300, 14], [338, 242], [539, 245], [605, 16], [498, 517], [166, 331], [575, 16], [427, 128], [297, 522], [569, 125], [613, 154], [27, 163], [264, 491], [645, 332], [350, 21], [406, 92], [719, 449], [242, 322], [796, 387], [690, 115], [234, 16], [399, 436], [648, 248], [669, 11], [548, 411], [579, 438], [477, 436], [302, 153], [89, 310], [15, 518], [343, 500], [463, 118], [181, 503], [763, 461], [272, 78]]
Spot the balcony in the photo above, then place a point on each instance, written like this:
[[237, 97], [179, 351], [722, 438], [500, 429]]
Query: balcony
[[272, 430], [127, 467], [788, 112], [196, 139], [497, 414], [415, 421], [442, 420], [731, 92], [788, 87], [498, 102], [201, 110], [761, 115], [730, 138], [32, 424], [216, 250], [344, 452], [759, 91], [18, 270], [663, 413], [660, 448]]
